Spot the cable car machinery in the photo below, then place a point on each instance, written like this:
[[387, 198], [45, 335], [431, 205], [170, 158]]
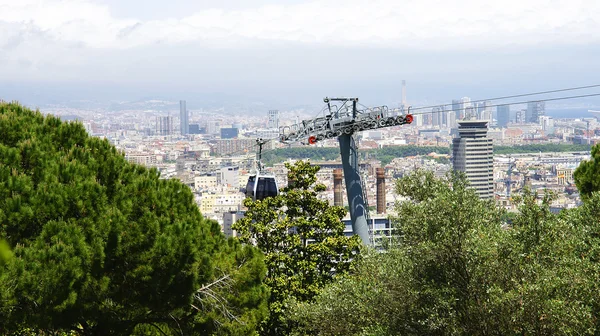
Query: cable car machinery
[[342, 122], [261, 184]]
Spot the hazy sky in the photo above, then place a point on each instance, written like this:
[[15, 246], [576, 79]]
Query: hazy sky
[[294, 51]]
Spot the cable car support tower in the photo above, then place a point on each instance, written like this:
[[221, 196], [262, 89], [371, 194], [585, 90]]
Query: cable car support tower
[[343, 122]]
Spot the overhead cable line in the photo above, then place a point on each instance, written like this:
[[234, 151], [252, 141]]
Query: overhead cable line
[[246, 149], [511, 103], [516, 96]]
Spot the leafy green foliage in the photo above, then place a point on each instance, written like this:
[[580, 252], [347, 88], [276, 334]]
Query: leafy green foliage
[[385, 154], [302, 238], [544, 148], [459, 270], [587, 174], [375, 296], [102, 246]]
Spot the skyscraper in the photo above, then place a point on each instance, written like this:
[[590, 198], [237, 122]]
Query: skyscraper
[[451, 119], [456, 107], [503, 115], [164, 125], [403, 104], [485, 112], [547, 124], [520, 116], [534, 111], [436, 114], [184, 123], [273, 119], [472, 153]]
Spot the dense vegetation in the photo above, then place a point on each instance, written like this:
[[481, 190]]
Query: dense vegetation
[[303, 241], [587, 175], [385, 155], [93, 245], [544, 148], [101, 246], [457, 269]]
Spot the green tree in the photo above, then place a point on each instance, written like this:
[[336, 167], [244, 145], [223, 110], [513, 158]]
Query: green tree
[[458, 269], [376, 295], [302, 238], [101, 246], [586, 218], [545, 290], [587, 174]]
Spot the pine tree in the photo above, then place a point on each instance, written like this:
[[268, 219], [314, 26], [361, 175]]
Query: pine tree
[[101, 246]]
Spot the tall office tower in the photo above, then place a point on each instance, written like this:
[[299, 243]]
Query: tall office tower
[[427, 119], [184, 123], [418, 120], [486, 110], [479, 107], [534, 111], [444, 116], [456, 107], [164, 125], [472, 153], [520, 116], [436, 114], [451, 119], [503, 115], [466, 108], [470, 113], [273, 119], [404, 107], [547, 124]]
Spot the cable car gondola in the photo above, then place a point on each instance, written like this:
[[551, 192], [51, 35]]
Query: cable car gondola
[[261, 185]]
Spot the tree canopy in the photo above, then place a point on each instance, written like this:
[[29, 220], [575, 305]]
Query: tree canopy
[[101, 246], [458, 269], [544, 148], [587, 174], [302, 238]]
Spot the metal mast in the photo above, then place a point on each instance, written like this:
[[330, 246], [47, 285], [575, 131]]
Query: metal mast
[[342, 122]]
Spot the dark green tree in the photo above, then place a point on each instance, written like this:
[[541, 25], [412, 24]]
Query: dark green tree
[[587, 174], [302, 238], [458, 269], [586, 218], [101, 246]]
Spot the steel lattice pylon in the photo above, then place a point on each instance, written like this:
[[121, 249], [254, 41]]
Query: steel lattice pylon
[[342, 122]]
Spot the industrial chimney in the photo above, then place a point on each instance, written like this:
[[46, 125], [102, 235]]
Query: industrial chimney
[[380, 174], [338, 199]]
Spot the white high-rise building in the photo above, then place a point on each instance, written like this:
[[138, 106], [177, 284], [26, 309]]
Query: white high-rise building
[[437, 116], [418, 119], [229, 218], [164, 125], [403, 104], [547, 124], [184, 123], [472, 153], [451, 119], [273, 119], [486, 112]]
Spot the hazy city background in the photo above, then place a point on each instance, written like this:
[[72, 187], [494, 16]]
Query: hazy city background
[[289, 54]]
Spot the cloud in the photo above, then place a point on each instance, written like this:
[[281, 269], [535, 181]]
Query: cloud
[[423, 24]]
